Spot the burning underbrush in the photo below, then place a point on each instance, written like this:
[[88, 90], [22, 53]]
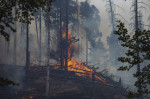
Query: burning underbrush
[[78, 82], [80, 68]]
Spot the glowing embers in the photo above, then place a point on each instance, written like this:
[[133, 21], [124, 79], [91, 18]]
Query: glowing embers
[[79, 68]]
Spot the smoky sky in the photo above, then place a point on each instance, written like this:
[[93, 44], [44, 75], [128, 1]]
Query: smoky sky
[[124, 9]]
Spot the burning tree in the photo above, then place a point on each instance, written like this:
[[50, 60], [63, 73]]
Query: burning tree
[[68, 46]]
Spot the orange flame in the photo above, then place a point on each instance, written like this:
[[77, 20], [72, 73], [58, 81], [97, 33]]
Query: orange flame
[[78, 67]]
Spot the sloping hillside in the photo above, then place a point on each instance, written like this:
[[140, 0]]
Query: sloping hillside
[[63, 85]]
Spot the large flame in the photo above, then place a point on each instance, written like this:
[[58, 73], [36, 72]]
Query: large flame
[[78, 67]]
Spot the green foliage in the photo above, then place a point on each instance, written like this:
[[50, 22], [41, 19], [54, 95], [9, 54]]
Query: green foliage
[[6, 82], [138, 52], [19, 10]]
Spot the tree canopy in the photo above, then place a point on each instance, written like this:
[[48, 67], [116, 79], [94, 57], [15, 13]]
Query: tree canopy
[[19, 10]]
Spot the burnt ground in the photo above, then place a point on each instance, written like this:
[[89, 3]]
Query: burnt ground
[[63, 85]]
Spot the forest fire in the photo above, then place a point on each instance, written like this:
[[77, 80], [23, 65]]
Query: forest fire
[[78, 67]]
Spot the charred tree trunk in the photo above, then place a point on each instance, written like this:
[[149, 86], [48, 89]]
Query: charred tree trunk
[[36, 28], [78, 26], [8, 44], [47, 23], [112, 15], [15, 42], [40, 37], [66, 54], [6, 47], [61, 49], [58, 33], [136, 14], [48, 61], [15, 45], [47, 81], [27, 46], [136, 28], [93, 76], [86, 49], [21, 31]]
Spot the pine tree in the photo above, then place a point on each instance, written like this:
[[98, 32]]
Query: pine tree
[[137, 53]]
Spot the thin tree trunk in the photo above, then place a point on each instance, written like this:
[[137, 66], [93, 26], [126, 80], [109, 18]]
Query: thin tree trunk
[[47, 21], [15, 45], [47, 81], [78, 27], [21, 31], [27, 47], [48, 65], [81, 47], [136, 29], [40, 37], [15, 37], [112, 15], [8, 44], [86, 49], [66, 58], [36, 29], [149, 22], [61, 50]]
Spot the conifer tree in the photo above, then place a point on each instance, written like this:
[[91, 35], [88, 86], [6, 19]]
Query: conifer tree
[[137, 52]]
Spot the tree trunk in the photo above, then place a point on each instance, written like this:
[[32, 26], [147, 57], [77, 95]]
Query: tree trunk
[[8, 44], [112, 15], [136, 29], [27, 47], [36, 29], [15, 42], [66, 58], [48, 61], [40, 37], [86, 49], [61, 50]]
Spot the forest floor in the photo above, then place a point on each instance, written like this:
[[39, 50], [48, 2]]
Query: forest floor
[[63, 85]]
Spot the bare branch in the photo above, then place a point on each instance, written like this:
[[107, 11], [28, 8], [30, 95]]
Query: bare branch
[[144, 3], [122, 18]]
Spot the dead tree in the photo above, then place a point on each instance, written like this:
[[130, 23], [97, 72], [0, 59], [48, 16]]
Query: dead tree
[[112, 40], [141, 24], [112, 15]]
